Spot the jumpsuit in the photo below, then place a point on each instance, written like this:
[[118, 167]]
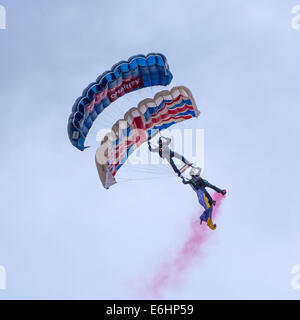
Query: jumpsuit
[[198, 184]]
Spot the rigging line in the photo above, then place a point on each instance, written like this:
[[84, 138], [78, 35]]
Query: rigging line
[[114, 111], [150, 172], [152, 91], [152, 167], [146, 170], [157, 168], [120, 180], [156, 171], [105, 121], [122, 105]]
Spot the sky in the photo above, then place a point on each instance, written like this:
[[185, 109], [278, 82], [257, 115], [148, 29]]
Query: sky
[[63, 236]]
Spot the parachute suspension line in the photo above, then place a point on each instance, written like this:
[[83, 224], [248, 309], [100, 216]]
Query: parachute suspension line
[[142, 96], [152, 92], [123, 106], [153, 170], [104, 121], [120, 108], [114, 110], [128, 101], [121, 180], [148, 170], [103, 124], [109, 118]]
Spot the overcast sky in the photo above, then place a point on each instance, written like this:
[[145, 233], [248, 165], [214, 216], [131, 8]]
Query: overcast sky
[[63, 236]]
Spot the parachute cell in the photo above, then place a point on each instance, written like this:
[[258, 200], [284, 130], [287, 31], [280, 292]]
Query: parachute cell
[[126, 76], [141, 124]]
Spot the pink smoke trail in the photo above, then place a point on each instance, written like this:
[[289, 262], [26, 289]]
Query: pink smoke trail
[[169, 273]]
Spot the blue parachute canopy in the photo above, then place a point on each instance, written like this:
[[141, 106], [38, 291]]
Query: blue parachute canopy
[[126, 76]]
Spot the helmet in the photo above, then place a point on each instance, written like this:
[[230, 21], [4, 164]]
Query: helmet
[[195, 172]]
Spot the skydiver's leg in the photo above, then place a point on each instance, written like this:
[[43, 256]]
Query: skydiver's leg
[[208, 196], [171, 161], [209, 185], [186, 161], [182, 158], [204, 200], [206, 214]]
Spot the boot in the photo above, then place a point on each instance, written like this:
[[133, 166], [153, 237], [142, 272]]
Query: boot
[[211, 225]]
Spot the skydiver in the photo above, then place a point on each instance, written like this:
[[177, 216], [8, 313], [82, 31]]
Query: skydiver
[[206, 201], [166, 153]]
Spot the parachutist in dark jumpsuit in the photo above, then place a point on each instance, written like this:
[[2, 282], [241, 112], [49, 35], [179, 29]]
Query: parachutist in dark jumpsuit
[[166, 153], [198, 184]]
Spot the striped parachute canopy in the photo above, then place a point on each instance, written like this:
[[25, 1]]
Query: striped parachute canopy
[[126, 76], [139, 125]]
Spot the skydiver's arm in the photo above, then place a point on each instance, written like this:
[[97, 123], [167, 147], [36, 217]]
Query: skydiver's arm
[[209, 185], [151, 148], [185, 181], [167, 140]]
